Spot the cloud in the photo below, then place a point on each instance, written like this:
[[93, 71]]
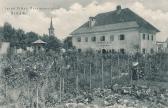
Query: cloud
[[67, 19]]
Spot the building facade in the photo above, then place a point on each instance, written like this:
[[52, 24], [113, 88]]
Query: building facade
[[120, 30], [4, 46], [162, 47]]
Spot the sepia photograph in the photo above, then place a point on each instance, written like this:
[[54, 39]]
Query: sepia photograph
[[83, 54]]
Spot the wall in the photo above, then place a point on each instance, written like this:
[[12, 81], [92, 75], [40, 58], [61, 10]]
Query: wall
[[4, 47], [148, 44], [131, 40]]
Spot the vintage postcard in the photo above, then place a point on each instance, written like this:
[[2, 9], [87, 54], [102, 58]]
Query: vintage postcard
[[83, 54]]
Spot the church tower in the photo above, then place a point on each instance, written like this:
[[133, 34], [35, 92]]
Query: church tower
[[51, 29]]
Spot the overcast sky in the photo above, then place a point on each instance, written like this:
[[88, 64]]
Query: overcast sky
[[70, 14]]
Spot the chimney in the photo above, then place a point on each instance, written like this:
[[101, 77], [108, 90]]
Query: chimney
[[118, 9], [92, 21]]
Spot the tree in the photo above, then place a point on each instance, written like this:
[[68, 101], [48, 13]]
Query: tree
[[52, 43], [68, 43], [31, 37], [8, 31]]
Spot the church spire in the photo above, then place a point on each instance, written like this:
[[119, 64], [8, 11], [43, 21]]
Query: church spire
[[51, 29], [51, 24]]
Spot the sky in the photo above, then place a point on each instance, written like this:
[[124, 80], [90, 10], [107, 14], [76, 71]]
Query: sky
[[70, 14]]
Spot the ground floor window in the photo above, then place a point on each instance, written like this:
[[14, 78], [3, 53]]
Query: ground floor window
[[113, 50], [122, 51], [152, 51], [79, 50], [143, 50], [104, 51]]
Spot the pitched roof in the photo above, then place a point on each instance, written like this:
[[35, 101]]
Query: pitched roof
[[109, 27], [113, 17]]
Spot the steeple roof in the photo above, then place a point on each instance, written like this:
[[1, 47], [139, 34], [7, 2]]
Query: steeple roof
[[51, 24]]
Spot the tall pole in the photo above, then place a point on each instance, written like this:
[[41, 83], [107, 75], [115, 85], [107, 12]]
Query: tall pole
[[60, 89], [102, 73], [37, 95], [63, 86], [77, 77], [130, 70], [118, 65], [77, 86], [84, 71], [111, 70], [90, 77]]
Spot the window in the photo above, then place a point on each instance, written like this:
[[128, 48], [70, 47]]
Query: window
[[86, 39], [122, 51], [113, 51], [148, 36], [79, 39], [102, 38], [143, 36], [104, 51], [122, 37], [143, 50], [93, 39], [152, 51], [112, 38], [152, 37], [79, 50]]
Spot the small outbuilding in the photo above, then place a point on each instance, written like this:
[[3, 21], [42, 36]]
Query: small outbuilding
[[39, 45]]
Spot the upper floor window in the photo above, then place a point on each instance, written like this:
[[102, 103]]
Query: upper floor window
[[93, 39], [102, 38], [122, 37], [78, 39], [143, 36], [112, 38], [86, 39], [152, 37], [148, 36]]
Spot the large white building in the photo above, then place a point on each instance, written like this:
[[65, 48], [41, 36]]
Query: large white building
[[120, 30]]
